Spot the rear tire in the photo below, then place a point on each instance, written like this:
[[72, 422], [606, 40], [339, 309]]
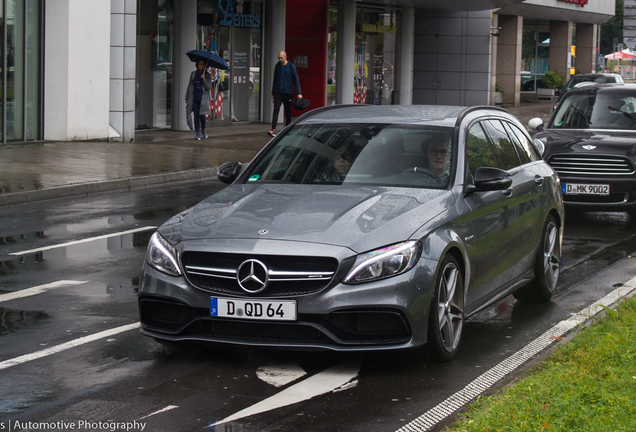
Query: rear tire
[[446, 316], [547, 266]]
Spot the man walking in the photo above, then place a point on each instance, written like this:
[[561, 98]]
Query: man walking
[[285, 79]]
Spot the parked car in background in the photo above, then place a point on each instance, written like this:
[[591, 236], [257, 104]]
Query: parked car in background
[[361, 227], [590, 140], [600, 78]]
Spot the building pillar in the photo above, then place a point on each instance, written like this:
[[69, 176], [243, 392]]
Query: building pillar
[[345, 51], [123, 42], [274, 41], [76, 91], [405, 51], [184, 39], [586, 53], [560, 47], [494, 30], [509, 57]]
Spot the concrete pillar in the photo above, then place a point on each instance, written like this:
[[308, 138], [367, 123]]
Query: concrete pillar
[[406, 29], [184, 39], [509, 57], [586, 54], [560, 45], [345, 51], [76, 90], [274, 41], [493, 58], [123, 40]]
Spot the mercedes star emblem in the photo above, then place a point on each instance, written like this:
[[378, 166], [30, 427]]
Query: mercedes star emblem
[[252, 275], [589, 147], [262, 232]]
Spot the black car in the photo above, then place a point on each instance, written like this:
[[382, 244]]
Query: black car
[[590, 141]]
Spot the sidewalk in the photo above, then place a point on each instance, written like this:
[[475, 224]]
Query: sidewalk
[[44, 170]]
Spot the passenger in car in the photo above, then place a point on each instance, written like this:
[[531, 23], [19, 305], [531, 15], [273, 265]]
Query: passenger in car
[[336, 171]]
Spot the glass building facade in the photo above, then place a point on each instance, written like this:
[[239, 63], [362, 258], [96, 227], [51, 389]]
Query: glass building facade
[[535, 55], [21, 75], [374, 66]]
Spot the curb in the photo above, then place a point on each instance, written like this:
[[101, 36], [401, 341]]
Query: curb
[[105, 186]]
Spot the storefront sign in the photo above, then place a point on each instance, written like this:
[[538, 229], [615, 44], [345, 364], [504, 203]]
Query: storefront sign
[[231, 19], [383, 28], [580, 2]]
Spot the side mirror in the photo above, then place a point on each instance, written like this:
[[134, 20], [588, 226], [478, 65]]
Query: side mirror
[[228, 171], [536, 124], [490, 179], [539, 145]]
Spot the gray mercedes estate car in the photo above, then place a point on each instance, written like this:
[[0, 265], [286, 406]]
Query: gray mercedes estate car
[[361, 228]]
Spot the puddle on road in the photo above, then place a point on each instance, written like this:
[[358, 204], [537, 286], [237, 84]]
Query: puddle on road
[[87, 252], [76, 231], [13, 320]]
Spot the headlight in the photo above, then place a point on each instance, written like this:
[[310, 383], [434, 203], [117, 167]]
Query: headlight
[[162, 256], [385, 262]]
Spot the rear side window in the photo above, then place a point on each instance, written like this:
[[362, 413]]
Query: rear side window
[[504, 149], [478, 150], [527, 148]]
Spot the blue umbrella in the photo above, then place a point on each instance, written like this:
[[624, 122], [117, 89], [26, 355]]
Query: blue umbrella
[[209, 58]]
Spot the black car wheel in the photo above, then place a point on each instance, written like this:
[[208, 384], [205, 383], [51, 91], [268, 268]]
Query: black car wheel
[[547, 266], [446, 317]]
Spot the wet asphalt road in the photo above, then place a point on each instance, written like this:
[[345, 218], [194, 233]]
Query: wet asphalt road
[[127, 377]]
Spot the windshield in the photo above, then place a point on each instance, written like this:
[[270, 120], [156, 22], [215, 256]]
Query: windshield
[[335, 154], [591, 111]]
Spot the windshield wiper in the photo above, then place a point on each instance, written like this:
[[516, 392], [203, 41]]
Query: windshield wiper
[[631, 116]]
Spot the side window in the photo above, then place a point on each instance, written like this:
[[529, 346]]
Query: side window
[[521, 152], [504, 150], [525, 143], [478, 151]]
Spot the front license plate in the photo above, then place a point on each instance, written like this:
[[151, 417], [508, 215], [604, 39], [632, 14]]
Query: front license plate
[[585, 189], [279, 310]]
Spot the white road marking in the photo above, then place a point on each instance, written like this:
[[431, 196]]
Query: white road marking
[[38, 289], [86, 240], [455, 402], [280, 375], [67, 345], [318, 384], [168, 408]]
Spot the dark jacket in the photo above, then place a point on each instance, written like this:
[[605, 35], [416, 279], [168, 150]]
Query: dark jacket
[[285, 78], [205, 99]]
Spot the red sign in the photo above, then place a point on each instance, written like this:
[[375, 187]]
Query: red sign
[[581, 2]]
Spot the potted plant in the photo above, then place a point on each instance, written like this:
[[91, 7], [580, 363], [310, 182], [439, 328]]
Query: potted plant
[[500, 95], [551, 81]]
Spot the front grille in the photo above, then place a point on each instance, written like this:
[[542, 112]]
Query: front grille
[[256, 331], [166, 315], [591, 165], [612, 198], [288, 275]]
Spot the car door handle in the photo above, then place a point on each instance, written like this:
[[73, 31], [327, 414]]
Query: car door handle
[[538, 180], [507, 192]]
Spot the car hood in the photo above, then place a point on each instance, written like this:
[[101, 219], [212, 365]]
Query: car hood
[[603, 141], [358, 217]]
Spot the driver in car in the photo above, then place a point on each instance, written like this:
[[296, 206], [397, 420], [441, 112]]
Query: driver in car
[[437, 149]]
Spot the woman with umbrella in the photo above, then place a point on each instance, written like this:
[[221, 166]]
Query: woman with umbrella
[[198, 97]]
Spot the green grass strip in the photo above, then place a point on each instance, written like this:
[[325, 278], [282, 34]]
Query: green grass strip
[[588, 385]]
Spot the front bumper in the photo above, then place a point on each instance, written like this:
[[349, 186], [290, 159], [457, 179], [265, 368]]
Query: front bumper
[[387, 314]]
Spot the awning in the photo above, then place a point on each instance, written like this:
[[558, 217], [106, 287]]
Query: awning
[[454, 5]]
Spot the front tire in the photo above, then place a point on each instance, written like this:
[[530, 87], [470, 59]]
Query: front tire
[[547, 266], [446, 317]]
